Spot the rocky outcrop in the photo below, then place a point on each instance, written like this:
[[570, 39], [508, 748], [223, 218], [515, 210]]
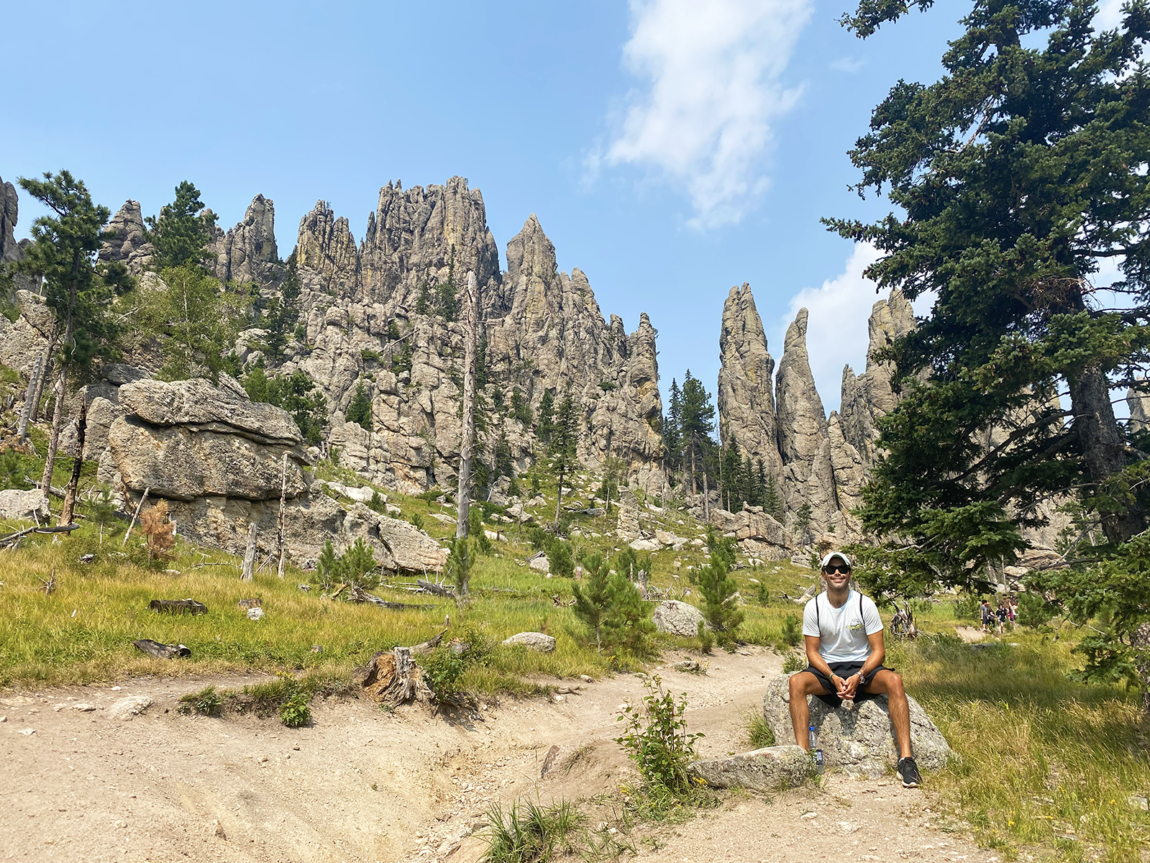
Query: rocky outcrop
[[869, 397], [247, 252], [818, 461], [125, 240], [758, 534], [26, 338], [858, 741], [804, 445], [775, 768], [20, 505], [219, 460], [9, 214], [745, 395], [537, 641], [1138, 403]]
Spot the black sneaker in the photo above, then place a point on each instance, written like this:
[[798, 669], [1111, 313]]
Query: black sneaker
[[908, 773]]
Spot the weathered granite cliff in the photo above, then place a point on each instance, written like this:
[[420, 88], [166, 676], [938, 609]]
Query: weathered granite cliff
[[819, 461], [385, 315]]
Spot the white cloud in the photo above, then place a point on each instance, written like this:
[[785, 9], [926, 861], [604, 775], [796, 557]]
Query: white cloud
[[837, 325], [1109, 14], [850, 65], [703, 123]]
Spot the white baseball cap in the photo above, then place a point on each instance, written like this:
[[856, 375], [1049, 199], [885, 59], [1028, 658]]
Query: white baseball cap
[[831, 556]]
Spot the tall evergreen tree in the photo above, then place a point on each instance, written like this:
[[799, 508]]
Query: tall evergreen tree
[[546, 417], [359, 408], [696, 423], [182, 230], [564, 440], [1018, 171], [672, 445], [77, 292]]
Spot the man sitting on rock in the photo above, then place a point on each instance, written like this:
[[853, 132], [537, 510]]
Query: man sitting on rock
[[845, 650]]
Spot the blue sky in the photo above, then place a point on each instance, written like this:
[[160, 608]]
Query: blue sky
[[671, 148]]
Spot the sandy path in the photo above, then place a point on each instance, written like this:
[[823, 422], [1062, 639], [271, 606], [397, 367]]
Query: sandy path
[[364, 785]]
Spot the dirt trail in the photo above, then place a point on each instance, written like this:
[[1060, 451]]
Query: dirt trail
[[363, 785]]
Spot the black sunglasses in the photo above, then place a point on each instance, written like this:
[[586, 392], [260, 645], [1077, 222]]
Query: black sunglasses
[[835, 567]]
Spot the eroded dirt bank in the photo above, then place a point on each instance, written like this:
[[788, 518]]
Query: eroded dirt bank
[[364, 785]]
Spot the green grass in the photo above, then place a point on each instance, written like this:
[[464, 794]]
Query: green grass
[[1041, 761]]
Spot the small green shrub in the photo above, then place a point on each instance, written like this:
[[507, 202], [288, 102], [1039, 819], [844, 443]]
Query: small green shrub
[[443, 671], [759, 734], [417, 520], [706, 638], [295, 712], [793, 662], [721, 607], [792, 631], [1034, 611], [966, 607], [657, 741], [206, 702], [763, 594]]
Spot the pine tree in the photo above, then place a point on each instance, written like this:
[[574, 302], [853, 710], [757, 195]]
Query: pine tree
[[546, 417], [359, 408], [721, 608], [1014, 174], [593, 597], [564, 440], [695, 426], [627, 624], [182, 230], [672, 443], [772, 505], [77, 292]]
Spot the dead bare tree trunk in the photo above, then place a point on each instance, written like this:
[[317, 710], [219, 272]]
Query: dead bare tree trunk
[[135, 516], [29, 398], [247, 573], [54, 437], [1140, 641], [471, 325], [68, 510], [46, 366], [280, 526], [706, 501]]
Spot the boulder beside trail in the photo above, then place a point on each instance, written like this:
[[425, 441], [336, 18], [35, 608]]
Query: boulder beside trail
[[774, 768], [858, 741], [536, 641], [677, 618]]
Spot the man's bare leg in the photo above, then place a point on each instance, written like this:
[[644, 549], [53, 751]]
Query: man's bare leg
[[888, 683], [803, 684]]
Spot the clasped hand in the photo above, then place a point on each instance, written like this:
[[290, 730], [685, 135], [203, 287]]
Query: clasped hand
[[847, 687]]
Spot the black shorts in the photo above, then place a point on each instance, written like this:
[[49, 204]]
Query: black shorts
[[844, 670]]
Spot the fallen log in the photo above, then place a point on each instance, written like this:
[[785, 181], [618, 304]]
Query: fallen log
[[429, 645], [161, 651], [14, 537], [358, 594], [245, 604], [437, 589], [178, 606]]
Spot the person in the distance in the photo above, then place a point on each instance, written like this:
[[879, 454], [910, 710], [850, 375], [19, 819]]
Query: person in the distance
[[845, 651]]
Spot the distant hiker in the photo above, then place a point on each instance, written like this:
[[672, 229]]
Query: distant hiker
[[845, 650], [1002, 614], [987, 616]]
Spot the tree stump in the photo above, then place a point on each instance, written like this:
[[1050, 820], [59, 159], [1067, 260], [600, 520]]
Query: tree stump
[[391, 678]]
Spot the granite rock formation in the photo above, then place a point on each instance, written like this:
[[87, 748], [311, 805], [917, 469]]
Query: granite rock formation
[[818, 461], [371, 311], [9, 213], [125, 240], [248, 252], [745, 395], [219, 460]]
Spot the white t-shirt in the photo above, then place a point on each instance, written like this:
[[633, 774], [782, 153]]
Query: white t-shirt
[[843, 631]]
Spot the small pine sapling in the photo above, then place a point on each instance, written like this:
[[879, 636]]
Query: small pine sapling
[[721, 609], [459, 562], [592, 598], [476, 532], [327, 567], [627, 624]]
